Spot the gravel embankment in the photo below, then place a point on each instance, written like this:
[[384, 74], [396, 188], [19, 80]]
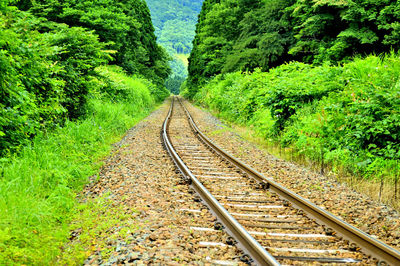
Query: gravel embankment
[[140, 177], [355, 208]]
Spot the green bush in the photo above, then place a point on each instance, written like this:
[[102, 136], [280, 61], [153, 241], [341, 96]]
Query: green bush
[[117, 86], [124, 26], [43, 76], [347, 115], [81, 53], [30, 91], [360, 124]]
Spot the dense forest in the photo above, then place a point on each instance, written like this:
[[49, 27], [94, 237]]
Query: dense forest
[[74, 77], [319, 77], [245, 35], [175, 22]]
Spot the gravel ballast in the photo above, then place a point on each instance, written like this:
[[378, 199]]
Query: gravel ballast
[[140, 177]]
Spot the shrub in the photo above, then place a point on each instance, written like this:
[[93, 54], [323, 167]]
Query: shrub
[[45, 70], [347, 115]]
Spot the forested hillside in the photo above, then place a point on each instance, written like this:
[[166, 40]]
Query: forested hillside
[[175, 22], [318, 77], [74, 76]]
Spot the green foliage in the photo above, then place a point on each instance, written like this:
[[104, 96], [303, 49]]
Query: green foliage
[[179, 67], [245, 35], [336, 30], [48, 56], [174, 84], [38, 186], [361, 120], [265, 38], [174, 21], [238, 35], [349, 113], [81, 53], [117, 86], [124, 25], [43, 77]]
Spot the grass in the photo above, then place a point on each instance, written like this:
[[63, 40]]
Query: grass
[[39, 186], [96, 223]]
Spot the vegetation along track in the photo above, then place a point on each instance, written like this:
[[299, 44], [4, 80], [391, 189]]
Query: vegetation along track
[[270, 223]]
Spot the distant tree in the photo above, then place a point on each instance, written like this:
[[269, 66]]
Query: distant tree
[[174, 83]]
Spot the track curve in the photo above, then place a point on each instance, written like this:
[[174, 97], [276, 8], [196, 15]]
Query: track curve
[[269, 222]]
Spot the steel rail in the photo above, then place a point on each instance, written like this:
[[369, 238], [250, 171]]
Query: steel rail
[[245, 240], [368, 244]]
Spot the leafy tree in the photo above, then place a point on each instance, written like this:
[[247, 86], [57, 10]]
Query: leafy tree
[[239, 35], [174, 83], [44, 77], [215, 32], [124, 25], [337, 30], [249, 34], [265, 38]]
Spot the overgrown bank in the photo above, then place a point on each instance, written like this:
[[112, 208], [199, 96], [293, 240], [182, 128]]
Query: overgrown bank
[[49, 52], [39, 185], [346, 117]]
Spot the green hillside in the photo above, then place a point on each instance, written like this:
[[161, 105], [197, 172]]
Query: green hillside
[[175, 23]]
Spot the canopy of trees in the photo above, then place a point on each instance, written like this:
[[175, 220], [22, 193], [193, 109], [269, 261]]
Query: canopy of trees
[[242, 35]]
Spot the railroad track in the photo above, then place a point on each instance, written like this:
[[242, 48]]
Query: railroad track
[[271, 224]]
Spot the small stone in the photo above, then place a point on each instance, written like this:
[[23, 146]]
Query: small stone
[[153, 237]]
